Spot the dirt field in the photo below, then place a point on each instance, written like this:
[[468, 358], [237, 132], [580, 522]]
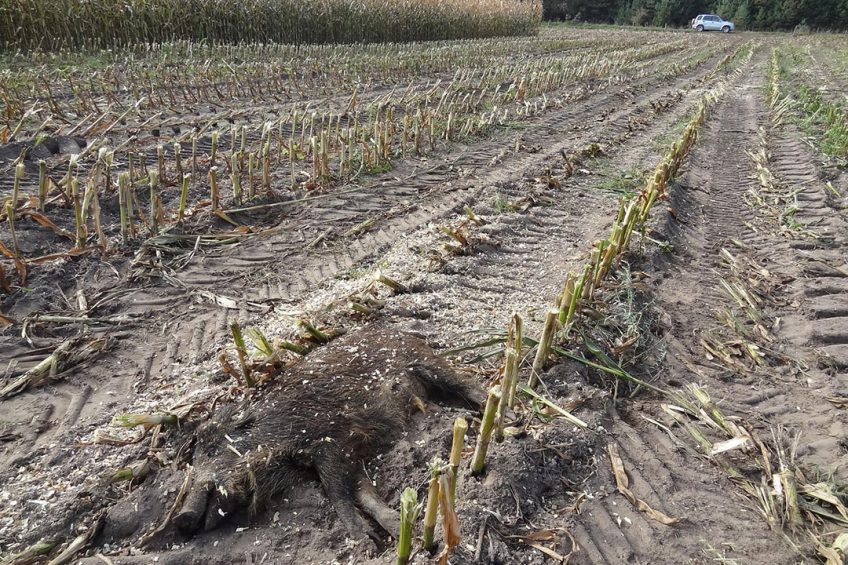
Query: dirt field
[[523, 150]]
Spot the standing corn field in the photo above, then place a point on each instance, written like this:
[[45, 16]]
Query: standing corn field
[[111, 23]]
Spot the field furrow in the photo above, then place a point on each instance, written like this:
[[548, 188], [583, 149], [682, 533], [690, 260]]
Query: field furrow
[[440, 189]]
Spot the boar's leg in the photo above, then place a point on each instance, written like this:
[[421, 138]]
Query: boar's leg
[[260, 476], [441, 381], [194, 507], [375, 507], [338, 477], [223, 502]]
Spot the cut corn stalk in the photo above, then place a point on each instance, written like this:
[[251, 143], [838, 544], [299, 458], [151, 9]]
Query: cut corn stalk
[[460, 426], [479, 460], [510, 380], [431, 512], [544, 347]]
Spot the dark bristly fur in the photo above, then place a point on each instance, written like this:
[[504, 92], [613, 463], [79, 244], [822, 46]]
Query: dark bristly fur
[[327, 414]]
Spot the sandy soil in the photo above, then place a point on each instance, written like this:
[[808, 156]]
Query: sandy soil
[[549, 490]]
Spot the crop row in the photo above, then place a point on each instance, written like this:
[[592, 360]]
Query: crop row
[[561, 321], [111, 23], [184, 72], [223, 170]]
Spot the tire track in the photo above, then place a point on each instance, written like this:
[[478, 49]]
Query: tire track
[[708, 214], [182, 342]]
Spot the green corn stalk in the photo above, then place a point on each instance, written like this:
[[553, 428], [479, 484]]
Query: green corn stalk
[[178, 160], [510, 380], [483, 440], [213, 189], [241, 352], [146, 420], [20, 170], [10, 217], [515, 341], [544, 348], [252, 163], [214, 151], [314, 333], [431, 512], [410, 509], [194, 156]]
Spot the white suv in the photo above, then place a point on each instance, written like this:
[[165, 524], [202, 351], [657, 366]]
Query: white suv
[[709, 22]]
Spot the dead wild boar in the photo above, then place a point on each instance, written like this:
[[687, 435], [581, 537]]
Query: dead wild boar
[[327, 414]]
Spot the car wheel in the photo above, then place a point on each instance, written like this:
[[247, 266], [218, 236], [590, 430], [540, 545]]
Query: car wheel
[[700, 28], [726, 29]]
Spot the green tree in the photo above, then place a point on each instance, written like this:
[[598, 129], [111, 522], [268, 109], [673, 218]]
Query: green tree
[[742, 16]]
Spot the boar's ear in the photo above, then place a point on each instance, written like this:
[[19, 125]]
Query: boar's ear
[[441, 381]]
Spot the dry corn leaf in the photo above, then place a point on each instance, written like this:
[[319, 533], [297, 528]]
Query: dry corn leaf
[[538, 535], [836, 553], [182, 410], [46, 222], [839, 401], [729, 445], [622, 483], [75, 252], [223, 301], [548, 551], [533, 538], [221, 214], [178, 503], [824, 492], [20, 265], [450, 523], [6, 321]]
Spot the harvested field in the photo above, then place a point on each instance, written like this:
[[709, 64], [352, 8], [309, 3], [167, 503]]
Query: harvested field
[[189, 229]]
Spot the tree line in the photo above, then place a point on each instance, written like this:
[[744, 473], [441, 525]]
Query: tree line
[[746, 14]]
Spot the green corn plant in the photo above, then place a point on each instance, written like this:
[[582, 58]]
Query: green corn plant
[[410, 509]]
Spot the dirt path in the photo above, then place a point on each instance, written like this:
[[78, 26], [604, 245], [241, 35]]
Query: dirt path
[[711, 212]]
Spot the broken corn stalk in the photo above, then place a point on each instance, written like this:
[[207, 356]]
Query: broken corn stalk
[[241, 351], [431, 512], [146, 420]]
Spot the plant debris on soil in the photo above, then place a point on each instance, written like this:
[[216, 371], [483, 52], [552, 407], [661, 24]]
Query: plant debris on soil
[[221, 280]]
